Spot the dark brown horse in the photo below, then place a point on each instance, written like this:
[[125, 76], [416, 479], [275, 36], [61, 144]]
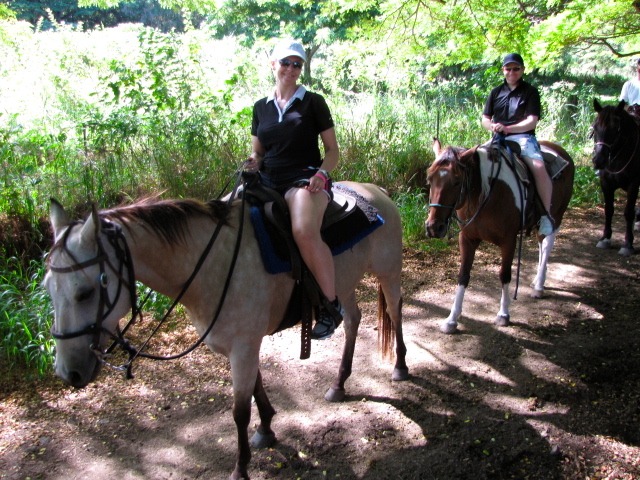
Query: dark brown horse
[[616, 156], [495, 213]]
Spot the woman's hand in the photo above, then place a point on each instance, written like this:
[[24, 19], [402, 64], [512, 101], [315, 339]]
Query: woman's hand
[[318, 182]]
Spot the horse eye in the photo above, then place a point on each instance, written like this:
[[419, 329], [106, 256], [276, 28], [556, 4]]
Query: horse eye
[[84, 294]]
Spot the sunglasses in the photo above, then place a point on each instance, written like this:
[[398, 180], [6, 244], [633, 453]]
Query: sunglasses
[[285, 62], [512, 69]]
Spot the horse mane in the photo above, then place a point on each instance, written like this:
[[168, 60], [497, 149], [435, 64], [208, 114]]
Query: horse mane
[[169, 218], [449, 154], [604, 116]]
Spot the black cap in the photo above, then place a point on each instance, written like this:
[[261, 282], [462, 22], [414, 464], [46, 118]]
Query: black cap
[[513, 58]]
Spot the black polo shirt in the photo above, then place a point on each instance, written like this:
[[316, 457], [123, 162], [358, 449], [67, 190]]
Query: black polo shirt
[[291, 144], [512, 106]]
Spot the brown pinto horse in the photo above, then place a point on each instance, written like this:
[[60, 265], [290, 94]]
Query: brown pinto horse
[[232, 301], [495, 214], [616, 156]]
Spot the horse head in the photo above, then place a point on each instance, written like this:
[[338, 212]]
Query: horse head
[[608, 132], [85, 282], [446, 178]]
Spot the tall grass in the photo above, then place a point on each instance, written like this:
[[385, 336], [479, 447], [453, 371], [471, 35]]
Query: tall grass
[[116, 114], [25, 313]]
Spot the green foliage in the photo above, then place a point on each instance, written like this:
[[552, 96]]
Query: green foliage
[[413, 210], [586, 187], [25, 315], [50, 14], [116, 114]]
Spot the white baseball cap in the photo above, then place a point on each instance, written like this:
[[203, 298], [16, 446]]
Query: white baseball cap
[[288, 48]]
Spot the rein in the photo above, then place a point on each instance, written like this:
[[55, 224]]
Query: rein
[[462, 198], [116, 237], [464, 192]]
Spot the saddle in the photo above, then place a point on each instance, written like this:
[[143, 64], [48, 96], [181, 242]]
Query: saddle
[[509, 152], [348, 219]]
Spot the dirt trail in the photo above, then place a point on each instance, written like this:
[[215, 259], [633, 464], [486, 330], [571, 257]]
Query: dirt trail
[[555, 396]]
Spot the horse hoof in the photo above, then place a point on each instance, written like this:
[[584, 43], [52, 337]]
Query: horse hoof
[[604, 243], [535, 293], [335, 395], [503, 320], [449, 328], [262, 440], [626, 252], [400, 374], [237, 475]]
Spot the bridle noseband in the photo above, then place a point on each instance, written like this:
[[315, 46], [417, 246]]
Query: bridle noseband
[[461, 194], [116, 239]]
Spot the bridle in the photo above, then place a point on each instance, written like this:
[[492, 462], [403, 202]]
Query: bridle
[[610, 147], [465, 189], [117, 240]]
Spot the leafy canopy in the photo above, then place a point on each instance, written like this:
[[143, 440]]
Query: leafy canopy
[[449, 32]]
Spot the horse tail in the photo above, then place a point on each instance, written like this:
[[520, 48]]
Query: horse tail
[[386, 333]]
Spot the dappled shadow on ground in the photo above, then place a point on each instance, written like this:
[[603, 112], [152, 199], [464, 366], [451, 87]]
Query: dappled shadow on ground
[[555, 396]]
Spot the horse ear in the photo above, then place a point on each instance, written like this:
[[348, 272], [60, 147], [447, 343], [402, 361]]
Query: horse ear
[[596, 105], [91, 227], [58, 216], [621, 105], [436, 147]]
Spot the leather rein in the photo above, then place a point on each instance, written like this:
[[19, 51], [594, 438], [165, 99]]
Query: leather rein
[[465, 188], [117, 240]]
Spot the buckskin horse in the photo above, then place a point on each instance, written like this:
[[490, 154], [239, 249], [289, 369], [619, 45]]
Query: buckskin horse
[[94, 263], [486, 199], [616, 156]]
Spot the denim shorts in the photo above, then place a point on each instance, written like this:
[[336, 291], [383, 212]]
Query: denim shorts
[[529, 146]]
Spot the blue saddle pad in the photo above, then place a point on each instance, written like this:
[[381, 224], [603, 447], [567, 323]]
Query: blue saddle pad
[[340, 236]]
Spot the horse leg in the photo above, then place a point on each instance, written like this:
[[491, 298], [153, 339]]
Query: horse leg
[[607, 193], [544, 251], [400, 369], [467, 254], [390, 296], [244, 374], [503, 319], [629, 216], [336, 392], [264, 436]]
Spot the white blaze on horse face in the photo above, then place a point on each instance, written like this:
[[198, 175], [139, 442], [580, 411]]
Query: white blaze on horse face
[[443, 173]]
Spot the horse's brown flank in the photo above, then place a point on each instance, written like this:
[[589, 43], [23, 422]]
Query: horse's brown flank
[[169, 218]]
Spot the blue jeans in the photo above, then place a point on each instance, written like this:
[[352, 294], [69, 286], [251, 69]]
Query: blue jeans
[[529, 146]]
